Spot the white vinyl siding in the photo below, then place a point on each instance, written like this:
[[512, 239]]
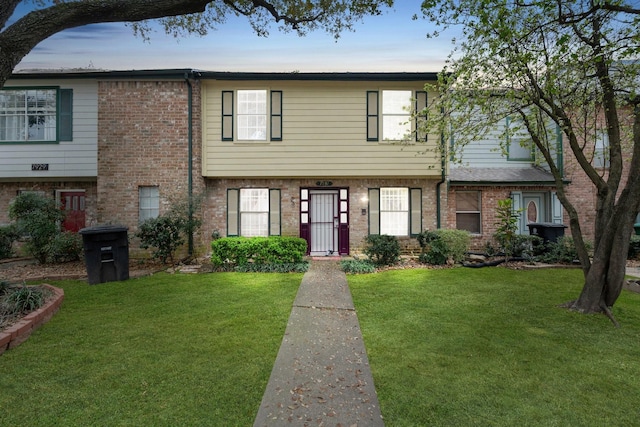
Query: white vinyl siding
[[324, 134], [76, 153]]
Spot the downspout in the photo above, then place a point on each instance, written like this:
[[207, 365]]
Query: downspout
[[190, 161], [443, 156]]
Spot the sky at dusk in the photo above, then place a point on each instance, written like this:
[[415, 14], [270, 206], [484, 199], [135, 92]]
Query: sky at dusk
[[392, 42]]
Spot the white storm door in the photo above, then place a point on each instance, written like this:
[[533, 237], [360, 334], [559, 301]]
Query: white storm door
[[323, 217]]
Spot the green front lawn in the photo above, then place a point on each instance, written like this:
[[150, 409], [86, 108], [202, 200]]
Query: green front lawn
[[165, 350], [490, 347]]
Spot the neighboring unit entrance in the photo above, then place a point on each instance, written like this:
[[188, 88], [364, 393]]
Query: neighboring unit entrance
[[324, 221], [73, 203]]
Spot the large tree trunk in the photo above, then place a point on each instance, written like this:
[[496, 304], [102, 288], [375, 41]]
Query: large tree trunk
[[605, 277]]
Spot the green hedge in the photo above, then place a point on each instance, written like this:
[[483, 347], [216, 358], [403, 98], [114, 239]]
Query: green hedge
[[240, 251], [438, 246]]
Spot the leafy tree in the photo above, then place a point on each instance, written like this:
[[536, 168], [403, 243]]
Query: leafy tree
[[507, 226], [560, 65], [178, 17]]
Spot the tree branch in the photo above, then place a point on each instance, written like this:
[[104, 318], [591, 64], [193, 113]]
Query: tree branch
[[8, 7]]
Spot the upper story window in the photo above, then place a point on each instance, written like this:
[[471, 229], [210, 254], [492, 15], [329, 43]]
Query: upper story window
[[396, 115], [390, 114], [601, 151], [252, 115], [519, 146], [35, 115]]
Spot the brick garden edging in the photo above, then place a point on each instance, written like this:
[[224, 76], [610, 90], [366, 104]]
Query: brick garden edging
[[18, 333]]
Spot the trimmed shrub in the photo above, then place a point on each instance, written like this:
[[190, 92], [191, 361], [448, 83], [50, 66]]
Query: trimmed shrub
[[8, 235], [37, 217], [164, 233], [353, 266], [526, 246], [438, 246], [561, 251], [382, 249], [65, 247], [230, 252]]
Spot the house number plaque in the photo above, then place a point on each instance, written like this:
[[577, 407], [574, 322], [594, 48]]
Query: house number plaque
[[40, 166], [324, 183]]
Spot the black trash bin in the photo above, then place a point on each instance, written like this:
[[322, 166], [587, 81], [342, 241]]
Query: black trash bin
[[106, 253], [547, 230]]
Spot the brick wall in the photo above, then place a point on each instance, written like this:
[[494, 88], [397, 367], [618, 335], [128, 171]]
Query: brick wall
[[489, 200], [215, 206], [143, 141]]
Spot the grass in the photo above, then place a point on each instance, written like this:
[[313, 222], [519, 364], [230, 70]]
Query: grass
[[490, 347], [165, 350]]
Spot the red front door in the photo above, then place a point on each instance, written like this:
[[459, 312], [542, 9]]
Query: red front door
[[73, 203]]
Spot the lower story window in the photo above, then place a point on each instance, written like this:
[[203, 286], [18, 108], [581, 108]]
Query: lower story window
[[149, 203], [468, 212], [394, 211], [254, 212]]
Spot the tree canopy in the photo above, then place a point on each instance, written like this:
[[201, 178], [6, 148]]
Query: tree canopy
[[177, 17], [562, 65]]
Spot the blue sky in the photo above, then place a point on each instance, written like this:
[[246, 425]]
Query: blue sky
[[390, 42]]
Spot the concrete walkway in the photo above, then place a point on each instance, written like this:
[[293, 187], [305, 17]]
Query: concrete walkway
[[321, 376]]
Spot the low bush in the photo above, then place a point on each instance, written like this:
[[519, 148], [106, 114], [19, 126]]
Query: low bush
[[164, 234], [526, 246], [353, 266], [382, 249], [25, 299], [8, 235], [241, 251], [65, 247], [299, 267], [438, 246], [561, 251], [634, 247], [37, 217]]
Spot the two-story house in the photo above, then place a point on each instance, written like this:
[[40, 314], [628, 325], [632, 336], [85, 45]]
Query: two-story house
[[316, 155]]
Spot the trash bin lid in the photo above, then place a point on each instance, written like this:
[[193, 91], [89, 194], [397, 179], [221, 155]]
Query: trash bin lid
[[99, 229], [546, 225]]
